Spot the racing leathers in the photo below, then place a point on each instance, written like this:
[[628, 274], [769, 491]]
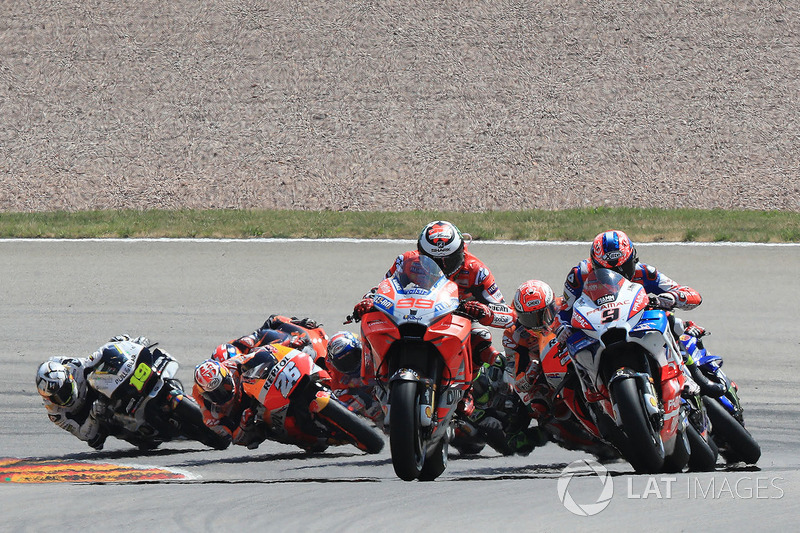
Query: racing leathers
[[358, 393], [230, 420], [78, 417], [301, 334], [668, 293], [653, 281]]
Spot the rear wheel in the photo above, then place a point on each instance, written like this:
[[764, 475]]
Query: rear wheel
[[359, 432], [645, 452], [730, 435], [703, 457], [405, 438]]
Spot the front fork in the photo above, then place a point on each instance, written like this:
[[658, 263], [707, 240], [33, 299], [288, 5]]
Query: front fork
[[647, 389], [426, 390], [436, 408]]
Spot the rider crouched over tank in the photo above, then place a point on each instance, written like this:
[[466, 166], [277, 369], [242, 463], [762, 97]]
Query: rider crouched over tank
[[304, 334], [70, 402], [614, 250], [125, 389], [525, 343], [277, 393], [480, 296]]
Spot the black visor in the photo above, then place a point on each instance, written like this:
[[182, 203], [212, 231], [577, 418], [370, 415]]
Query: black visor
[[221, 394], [539, 319], [452, 263], [63, 395]]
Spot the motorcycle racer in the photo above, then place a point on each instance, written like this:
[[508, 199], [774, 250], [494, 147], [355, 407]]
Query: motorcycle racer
[[536, 307], [217, 389], [344, 364], [71, 404], [234, 415], [477, 290], [614, 250], [298, 333]]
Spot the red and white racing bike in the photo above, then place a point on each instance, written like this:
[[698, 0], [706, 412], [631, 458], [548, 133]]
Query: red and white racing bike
[[630, 373]]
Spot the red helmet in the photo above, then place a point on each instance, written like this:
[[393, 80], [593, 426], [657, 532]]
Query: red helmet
[[442, 242], [614, 250], [224, 352], [535, 304], [216, 382]]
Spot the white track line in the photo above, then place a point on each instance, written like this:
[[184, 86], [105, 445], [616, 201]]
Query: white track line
[[397, 241]]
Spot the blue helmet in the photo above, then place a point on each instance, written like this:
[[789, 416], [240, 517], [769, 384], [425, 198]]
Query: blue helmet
[[344, 353]]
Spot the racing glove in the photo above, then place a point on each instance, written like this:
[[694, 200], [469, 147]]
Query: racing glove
[[479, 311], [294, 341], [665, 301], [362, 308], [100, 410], [563, 333], [305, 323], [690, 328]]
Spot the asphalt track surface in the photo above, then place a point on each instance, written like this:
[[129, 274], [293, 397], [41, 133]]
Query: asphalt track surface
[[68, 297]]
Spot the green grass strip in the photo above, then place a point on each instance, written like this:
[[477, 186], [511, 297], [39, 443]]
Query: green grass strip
[[643, 225]]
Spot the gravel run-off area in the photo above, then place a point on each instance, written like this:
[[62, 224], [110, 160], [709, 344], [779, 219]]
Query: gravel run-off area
[[399, 105]]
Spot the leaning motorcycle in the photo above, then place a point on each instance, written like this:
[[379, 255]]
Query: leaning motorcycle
[[294, 404], [420, 350], [146, 404], [725, 411], [629, 368], [557, 395]]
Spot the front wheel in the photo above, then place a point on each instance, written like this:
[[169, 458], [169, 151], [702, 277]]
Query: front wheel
[[730, 435], [436, 462], [358, 431], [190, 418], [645, 452], [405, 438]]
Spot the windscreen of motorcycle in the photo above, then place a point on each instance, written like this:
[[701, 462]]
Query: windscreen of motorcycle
[[608, 299], [419, 292], [115, 368]]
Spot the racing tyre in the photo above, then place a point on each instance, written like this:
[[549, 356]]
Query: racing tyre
[[678, 459], [731, 435], [704, 455], [405, 438], [646, 453], [360, 433], [435, 462]]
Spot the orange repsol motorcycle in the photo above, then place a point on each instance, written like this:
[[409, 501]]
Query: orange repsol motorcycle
[[294, 404]]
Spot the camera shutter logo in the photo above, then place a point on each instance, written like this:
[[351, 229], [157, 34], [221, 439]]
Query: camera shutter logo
[[591, 468]]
